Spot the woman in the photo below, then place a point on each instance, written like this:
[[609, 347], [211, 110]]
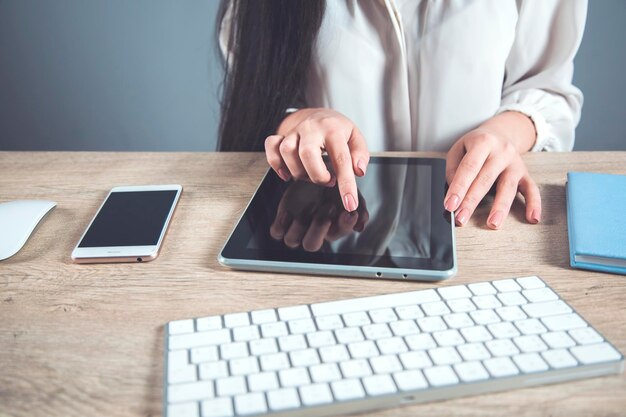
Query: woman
[[485, 81]]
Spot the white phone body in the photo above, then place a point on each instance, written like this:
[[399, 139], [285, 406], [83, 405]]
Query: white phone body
[[118, 250]]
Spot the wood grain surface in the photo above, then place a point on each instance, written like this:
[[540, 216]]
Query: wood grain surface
[[87, 340]]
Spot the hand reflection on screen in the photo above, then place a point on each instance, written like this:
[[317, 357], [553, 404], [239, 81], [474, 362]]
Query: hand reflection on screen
[[310, 214]]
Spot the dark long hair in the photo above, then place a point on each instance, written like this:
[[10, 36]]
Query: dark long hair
[[271, 41]]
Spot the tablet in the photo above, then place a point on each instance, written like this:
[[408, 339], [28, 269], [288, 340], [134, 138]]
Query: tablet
[[400, 230]]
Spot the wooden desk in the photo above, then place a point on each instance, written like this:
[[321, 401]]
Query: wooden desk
[[87, 340]]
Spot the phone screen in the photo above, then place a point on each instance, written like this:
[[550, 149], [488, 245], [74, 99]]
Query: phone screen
[[130, 218]]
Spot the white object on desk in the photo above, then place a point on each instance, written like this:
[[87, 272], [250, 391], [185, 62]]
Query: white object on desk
[[362, 354], [18, 220]]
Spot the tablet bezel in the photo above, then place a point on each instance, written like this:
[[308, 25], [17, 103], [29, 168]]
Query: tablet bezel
[[237, 255]]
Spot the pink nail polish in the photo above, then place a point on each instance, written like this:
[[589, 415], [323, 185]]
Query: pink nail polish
[[496, 219], [349, 202], [535, 216], [452, 203], [361, 165], [462, 216]]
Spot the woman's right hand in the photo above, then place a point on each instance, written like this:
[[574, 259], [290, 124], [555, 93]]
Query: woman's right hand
[[296, 151]]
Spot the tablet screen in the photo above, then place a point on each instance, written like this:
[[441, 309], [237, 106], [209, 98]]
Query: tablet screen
[[400, 221]]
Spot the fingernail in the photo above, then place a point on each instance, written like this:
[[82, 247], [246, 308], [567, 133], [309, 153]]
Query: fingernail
[[361, 165], [452, 203], [284, 174], [349, 202], [462, 216], [495, 220], [535, 216]]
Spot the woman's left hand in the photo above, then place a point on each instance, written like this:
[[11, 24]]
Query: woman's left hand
[[488, 155]]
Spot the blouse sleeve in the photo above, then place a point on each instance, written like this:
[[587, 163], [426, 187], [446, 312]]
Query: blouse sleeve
[[540, 67]]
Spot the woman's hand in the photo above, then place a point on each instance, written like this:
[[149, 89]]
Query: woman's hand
[[296, 151], [487, 155]]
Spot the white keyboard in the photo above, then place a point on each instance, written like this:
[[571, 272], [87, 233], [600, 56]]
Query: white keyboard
[[368, 353]]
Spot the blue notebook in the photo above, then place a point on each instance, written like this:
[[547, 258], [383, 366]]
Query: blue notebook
[[596, 221]]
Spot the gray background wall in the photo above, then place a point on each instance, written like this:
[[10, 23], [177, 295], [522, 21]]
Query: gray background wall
[[144, 75]]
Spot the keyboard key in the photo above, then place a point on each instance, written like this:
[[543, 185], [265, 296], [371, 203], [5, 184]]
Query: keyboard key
[[230, 386], [529, 283], [540, 294], [404, 327], [293, 313], [392, 345], [329, 322], [422, 341], [511, 313], [383, 315], [365, 349], [183, 410], [248, 404], [244, 366], [263, 346], [193, 391], [379, 385], [376, 331], [502, 347], [530, 344], [530, 362], [431, 324], [559, 358], [410, 312], [461, 305], [326, 372], [209, 323], [203, 354], [213, 370], [503, 330], [482, 288], [448, 338], [484, 316], [301, 326], [236, 319], [471, 371], [486, 301], [292, 342], [264, 381], [274, 329], [410, 380], [283, 399], [180, 327], [474, 352], [335, 353], [437, 308], [476, 334], [457, 291], [316, 394], [441, 375], [530, 326], [600, 352], [305, 357], [511, 298], [586, 336], [326, 338], [234, 350], [458, 320], [415, 360], [557, 340], [218, 407], [546, 308], [501, 367], [564, 322], [190, 340], [264, 316], [347, 389], [385, 364], [444, 355], [355, 368], [506, 285], [294, 377], [358, 318], [274, 361]]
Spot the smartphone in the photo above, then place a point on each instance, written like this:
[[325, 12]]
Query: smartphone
[[129, 226]]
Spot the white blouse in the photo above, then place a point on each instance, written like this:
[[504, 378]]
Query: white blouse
[[418, 74]]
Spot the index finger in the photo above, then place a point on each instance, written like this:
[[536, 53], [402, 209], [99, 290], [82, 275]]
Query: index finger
[[463, 166], [339, 154]]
